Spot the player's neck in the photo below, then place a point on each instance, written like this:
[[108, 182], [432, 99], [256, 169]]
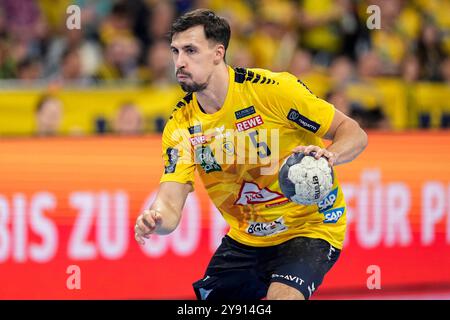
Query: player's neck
[[213, 97]]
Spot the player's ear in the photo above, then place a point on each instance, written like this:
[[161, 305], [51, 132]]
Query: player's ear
[[219, 54]]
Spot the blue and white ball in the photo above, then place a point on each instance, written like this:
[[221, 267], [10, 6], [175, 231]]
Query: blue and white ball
[[305, 180]]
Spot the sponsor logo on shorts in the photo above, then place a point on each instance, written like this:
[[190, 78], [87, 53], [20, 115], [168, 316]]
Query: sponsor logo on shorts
[[333, 215], [249, 123], [245, 112], [205, 157], [251, 193], [302, 121], [329, 201], [289, 277], [266, 228], [172, 155]]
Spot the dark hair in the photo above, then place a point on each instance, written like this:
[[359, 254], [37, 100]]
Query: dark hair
[[216, 28]]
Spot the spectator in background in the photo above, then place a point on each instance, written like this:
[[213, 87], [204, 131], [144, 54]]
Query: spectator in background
[[242, 58], [158, 70], [388, 42], [48, 115], [7, 64], [445, 70], [430, 52], [340, 100], [21, 17], [301, 63], [368, 66], [70, 72], [372, 118], [117, 24], [3, 22], [319, 23], [90, 52], [92, 13], [29, 70], [121, 60], [366, 101], [129, 120], [341, 71], [302, 66], [410, 69], [161, 16], [274, 41]]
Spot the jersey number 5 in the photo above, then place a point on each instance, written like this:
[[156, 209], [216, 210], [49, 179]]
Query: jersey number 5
[[265, 151]]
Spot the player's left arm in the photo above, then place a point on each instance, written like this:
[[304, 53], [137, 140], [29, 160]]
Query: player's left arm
[[348, 140]]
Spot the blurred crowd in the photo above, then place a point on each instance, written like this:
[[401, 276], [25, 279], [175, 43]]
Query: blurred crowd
[[126, 41]]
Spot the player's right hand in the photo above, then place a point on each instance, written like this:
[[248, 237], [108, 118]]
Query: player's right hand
[[146, 224]]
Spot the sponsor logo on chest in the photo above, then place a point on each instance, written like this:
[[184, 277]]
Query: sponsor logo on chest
[[244, 112], [251, 193], [198, 140], [205, 157], [249, 123]]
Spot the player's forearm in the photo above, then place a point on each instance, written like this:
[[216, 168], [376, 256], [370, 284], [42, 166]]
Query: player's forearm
[[170, 217], [348, 142]]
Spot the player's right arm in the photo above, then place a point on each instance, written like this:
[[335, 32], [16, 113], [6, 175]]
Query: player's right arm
[[165, 213], [177, 181]]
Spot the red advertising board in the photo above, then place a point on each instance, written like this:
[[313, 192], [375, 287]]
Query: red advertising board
[[68, 206]]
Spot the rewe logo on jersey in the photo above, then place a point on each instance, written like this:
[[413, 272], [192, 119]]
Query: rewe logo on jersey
[[249, 123], [251, 193]]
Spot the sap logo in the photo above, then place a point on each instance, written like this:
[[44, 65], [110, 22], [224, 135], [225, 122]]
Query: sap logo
[[266, 228], [198, 140], [329, 201], [249, 123], [333, 215], [251, 193], [295, 279]]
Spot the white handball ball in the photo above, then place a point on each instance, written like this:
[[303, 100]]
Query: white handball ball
[[305, 180]]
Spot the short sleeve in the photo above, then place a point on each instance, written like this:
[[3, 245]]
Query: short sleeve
[[298, 106], [177, 154]]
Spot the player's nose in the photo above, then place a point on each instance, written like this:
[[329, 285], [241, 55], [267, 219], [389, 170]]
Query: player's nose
[[180, 62]]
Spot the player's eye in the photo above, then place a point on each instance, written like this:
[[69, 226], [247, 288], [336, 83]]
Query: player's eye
[[190, 50], [174, 50]]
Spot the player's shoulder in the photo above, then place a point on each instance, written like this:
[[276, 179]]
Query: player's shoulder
[[262, 77], [181, 109], [265, 82], [180, 114]]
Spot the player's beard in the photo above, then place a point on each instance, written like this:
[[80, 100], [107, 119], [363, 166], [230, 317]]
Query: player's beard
[[191, 87]]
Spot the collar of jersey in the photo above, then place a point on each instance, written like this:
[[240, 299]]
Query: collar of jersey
[[225, 105]]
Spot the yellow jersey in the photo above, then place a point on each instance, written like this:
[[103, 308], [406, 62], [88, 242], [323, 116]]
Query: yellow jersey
[[239, 149]]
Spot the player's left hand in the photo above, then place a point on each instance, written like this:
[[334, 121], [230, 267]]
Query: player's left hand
[[331, 156]]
